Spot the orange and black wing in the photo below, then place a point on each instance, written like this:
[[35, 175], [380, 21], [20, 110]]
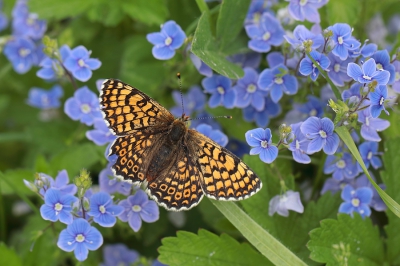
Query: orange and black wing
[[223, 175], [178, 186], [127, 109]]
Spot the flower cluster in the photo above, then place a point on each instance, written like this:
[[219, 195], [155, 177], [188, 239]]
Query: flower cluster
[[77, 207]]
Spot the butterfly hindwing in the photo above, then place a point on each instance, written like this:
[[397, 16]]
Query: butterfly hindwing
[[127, 109], [224, 176]]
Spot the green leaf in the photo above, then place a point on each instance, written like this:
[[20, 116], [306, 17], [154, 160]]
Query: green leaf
[[348, 140], [391, 162], [205, 47], [343, 11], [347, 241], [292, 231], [152, 12], [106, 12], [263, 241], [8, 256], [230, 21], [205, 248], [48, 9], [12, 181], [74, 158]]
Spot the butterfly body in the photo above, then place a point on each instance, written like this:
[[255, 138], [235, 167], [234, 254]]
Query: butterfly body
[[179, 165]]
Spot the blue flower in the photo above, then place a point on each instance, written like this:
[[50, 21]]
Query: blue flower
[[338, 70], [256, 10], [51, 68], [202, 67], [57, 206], [356, 200], [248, 92], [45, 182], [21, 52], [269, 32], [167, 41], [343, 167], [3, 21], [376, 202], [29, 25], [302, 34], [137, 208], [261, 141], [396, 82], [80, 64], [382, 60], [221, 91], [334, 185], [342, 40], [262, 117], [250, 59], [299, 145], [101, 134], [103, 210], [353, 94], [368, 151], [45, 99], [110, 184], [239, 148], [119, 254], [368, 73], [275, 58], [307, 67], [377, 99], [371, 126], [283, 203], [193, 101], [306, 10], [84, 106], [277, 81], [80, 237], [214, 134], [366, 50], [320, 131]]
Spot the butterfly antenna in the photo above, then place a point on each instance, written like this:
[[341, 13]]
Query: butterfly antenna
[[207, 117], [178, 75]]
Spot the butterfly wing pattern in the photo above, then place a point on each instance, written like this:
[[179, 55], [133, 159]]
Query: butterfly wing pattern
[[178, 165]]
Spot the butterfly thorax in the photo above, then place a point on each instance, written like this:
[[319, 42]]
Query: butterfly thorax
[[172, 143]]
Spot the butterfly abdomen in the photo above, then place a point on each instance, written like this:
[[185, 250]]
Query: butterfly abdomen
[[162, 157]]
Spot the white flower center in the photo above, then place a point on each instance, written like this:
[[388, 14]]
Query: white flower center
[[297, 144], [397, 76], [58, 207], [367, 77], [266, 36], [81, 63], [303, 2], [278, 80], [24, 52], [355, 202], [102, 209], [381, 101], [336, 67], [341, 164], [80, 238], [168, 41], [322, 134], [251, 88], [367, 121], [220, 90], [369, 156], [85, 108], [313, 112], [256, 17], [340, 40], [379, 66], [32, 17], [45, 100], [264, 144], [136, 208]]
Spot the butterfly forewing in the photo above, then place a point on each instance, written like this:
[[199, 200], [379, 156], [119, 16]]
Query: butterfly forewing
[[179, 165], [127, 109]]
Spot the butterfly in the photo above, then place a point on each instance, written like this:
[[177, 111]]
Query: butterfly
[[177, 164]]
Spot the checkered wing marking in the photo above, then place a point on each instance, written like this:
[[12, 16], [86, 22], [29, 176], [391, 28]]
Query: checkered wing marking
[[134, 154], [178, 187], [127, 109], [224, 176]]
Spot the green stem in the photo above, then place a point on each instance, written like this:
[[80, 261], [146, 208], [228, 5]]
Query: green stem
[[3, 230], [264, 242], [323, 73], [202, 5]]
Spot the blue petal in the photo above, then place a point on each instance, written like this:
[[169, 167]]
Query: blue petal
[[382, 77], [346, 207], [71, 64], [140, 198], [256, 150], [156, 38], [80, 52], [81, 252], [301, 157], [327, 125], [369, 133], [254, 136], [347, 193], [305, 67], [341, 52], [115, 210], [290, 84], [46, 73], [209, 84], [332, 143], [94, 239], [93, 63], [276, 93], [150, 212], [259, 46], [52, 196], [163, 53], [311, 126], [65, 217], [316, 145], [354, 71], [215, 100], [62, 179], [369, 67], [229, 99], [105, 220], [364, 194], [364, 210], [375, 110], [258, 102], [66, 241], [135, 222], [79, 226], [266, 79], [269, 154], [48, 213]]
